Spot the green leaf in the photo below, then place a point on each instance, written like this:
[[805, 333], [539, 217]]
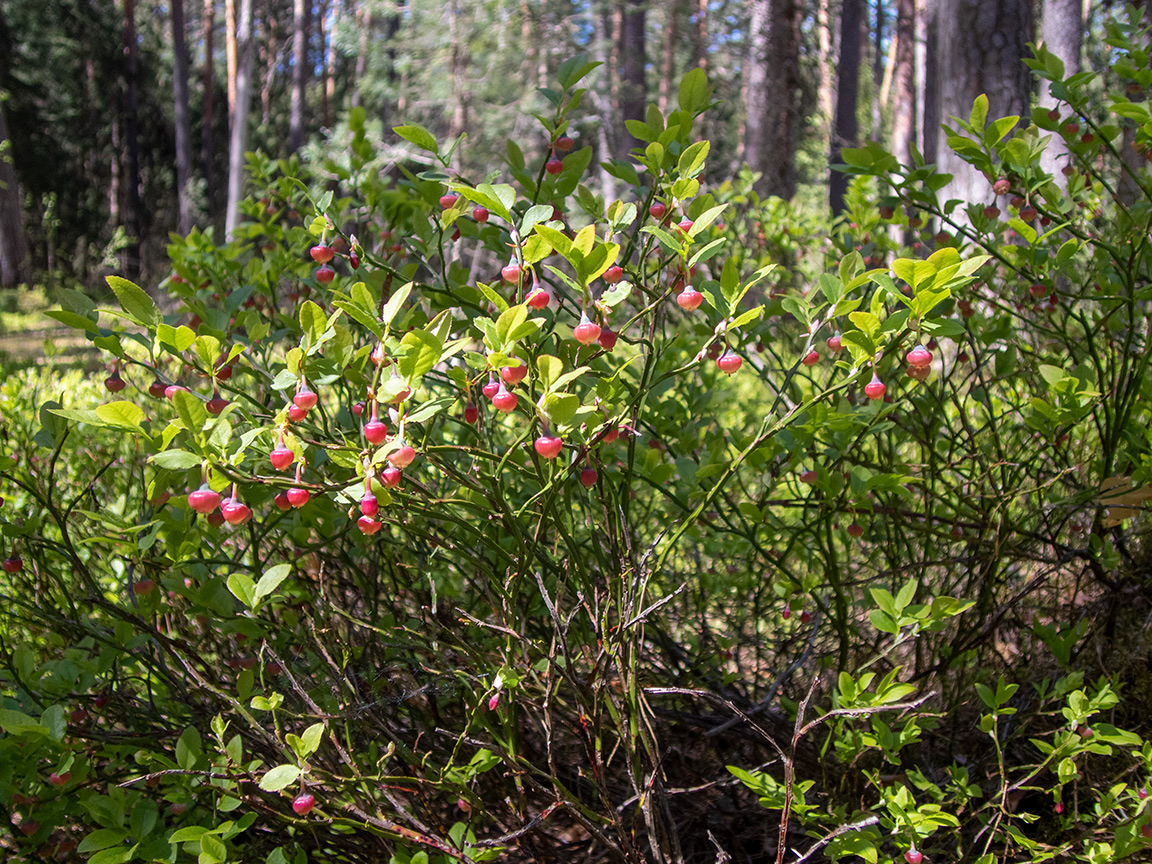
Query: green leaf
[[176, 460], [550, 368], [190, 834], [693, 96], [212, 850], [102, 838], [979, 112], [536, 214], [279, 778], [692, 159], [269, 582], [745, 317], [394, 303], [135, 302], [113, 856], [424, 350], [17, 722], [124, 415], [71, 319], [418, 135], [191, 410], [560, 408], [310, 740], [242, 588], [313, 322]]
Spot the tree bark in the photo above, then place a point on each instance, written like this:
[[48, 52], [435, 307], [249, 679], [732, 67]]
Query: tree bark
[[930, 135], [208, 27], [1062, 31], [771, 87], [270, 56], [183, 119], [322, 36], [330, 62], [668, 62], [633, 87], [845, 132], [238, 140], [230, 50], [364, 24], [459, 123], [14, 260], [904, 83], [980, 45], [301, 22], [878, 55], [700, 42], [131, 144], [602, 95], [826, 89]]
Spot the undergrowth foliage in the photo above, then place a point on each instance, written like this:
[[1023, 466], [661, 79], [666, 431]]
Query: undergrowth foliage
[[448, 518]]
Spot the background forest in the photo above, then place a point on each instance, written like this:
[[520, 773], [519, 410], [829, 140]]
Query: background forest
[[120, 115], [647, 432]]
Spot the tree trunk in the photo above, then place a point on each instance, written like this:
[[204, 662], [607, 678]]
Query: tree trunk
[[602, 96], [700, 42], [131, 145], [301, 21], [930, 134], [668, 63], [208, 27], [826, 89], [183, 119], [633, 87], [322, 37], [238, 140], [230, 50], [330, 63], [981, 45], [771, 86], [847, 92], [1062, 31], [270, 55], [878, 55], [364, 24], [904, 83], [459, 123], [14, 261]]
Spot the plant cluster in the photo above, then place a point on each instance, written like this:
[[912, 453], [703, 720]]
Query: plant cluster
[[451, 519]]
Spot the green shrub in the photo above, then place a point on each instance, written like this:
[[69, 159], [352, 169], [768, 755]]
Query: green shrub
[[461, 639]]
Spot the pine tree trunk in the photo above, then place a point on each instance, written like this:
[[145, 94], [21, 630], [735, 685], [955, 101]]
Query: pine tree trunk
[[459, 123], [301, 15], [606, 128], [930, 134], [845, 131], [230, 51], [826, 89], [771, 86], [981, 45], [364, 24], [330, 63], [1062, 31], [131, 261], [904, 83], [238, 140], [668, 63], [270, 56], [14, 260], [208, 27], [183, 119], [323, 36], [878, 54], [633, 86]]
